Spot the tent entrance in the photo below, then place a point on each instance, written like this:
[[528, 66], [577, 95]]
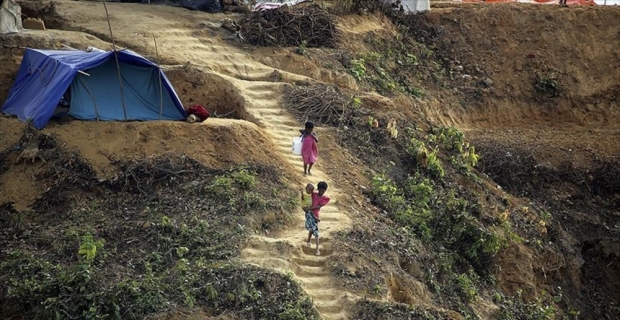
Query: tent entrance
[[97, 96], [62, 109]]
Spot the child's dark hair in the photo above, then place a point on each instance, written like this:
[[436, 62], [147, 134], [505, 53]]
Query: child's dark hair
[[309, 125], [322, 185]]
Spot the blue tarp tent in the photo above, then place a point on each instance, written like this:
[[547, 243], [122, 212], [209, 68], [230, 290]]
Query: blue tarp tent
[[95, 91]]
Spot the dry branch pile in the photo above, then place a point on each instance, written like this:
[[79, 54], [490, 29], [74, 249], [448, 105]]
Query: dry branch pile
[[67, 174], [321, 104], [141, 175], [516, 169], [310, 26], [511, 167], [605, 177]]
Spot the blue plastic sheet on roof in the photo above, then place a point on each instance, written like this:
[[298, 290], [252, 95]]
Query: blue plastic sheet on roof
[[45, 75]]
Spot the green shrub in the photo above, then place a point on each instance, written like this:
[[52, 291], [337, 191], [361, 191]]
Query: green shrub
[[358, 69], [417, 150], [440, 215], [244, 178], [453, 140], [467, 287]]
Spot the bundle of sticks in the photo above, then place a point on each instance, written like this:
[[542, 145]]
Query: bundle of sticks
[[309, 26], [322, 104]]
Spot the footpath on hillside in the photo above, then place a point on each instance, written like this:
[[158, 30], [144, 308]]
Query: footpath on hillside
[[178, 43]]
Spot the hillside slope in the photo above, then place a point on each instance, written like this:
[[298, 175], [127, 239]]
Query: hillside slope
[[418, 228]]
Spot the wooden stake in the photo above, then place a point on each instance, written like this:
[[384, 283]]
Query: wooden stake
[[161, 90], [118, 66]]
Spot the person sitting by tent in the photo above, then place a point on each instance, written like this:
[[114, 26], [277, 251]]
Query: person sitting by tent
[[199, 112]]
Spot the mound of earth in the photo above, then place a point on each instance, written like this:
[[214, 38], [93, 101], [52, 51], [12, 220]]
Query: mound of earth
[[102, 143], [527, 65]]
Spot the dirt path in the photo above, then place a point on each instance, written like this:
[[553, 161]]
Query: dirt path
[[180, 40], [312, 271]]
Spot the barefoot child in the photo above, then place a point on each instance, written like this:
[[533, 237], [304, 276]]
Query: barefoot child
[[312, 214], [309, 152]]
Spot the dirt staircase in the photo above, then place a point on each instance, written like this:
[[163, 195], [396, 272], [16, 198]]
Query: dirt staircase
[[287, 251]]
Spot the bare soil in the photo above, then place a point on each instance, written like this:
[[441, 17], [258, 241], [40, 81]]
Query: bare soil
[[504, 49], [100, 143], [511, 44]]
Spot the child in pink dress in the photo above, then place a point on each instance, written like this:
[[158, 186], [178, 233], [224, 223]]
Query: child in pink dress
[[309, 151], [319, 200]]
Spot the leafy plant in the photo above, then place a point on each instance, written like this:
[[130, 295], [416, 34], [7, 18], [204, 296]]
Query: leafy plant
[[434, 164], [450, 137], [358, 69], [88, 247], [471, 157], [244, 178], [467, 287], [303, 47], [462, 154]]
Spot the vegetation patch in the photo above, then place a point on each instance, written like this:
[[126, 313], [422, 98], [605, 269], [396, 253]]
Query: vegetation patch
[[163, 234], [431, 229], [436, 223], [394, 65]]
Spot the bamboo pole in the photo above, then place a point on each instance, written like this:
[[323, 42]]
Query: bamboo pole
[[79, 77], [118, 66], [161, 90]]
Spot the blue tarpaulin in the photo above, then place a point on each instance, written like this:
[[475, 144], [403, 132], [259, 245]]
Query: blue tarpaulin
[[45, 75]]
